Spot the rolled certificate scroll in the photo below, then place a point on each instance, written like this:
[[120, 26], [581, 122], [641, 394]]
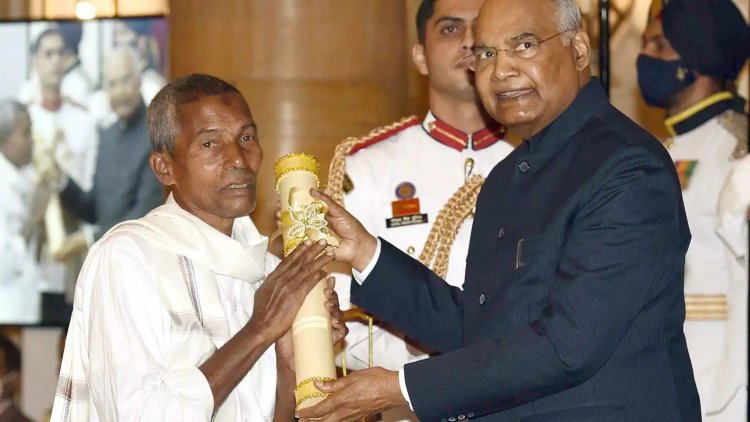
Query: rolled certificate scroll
[[302, 218]]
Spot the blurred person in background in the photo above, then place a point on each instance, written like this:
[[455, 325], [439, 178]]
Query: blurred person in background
[[136, 34], [19, 273], [64, 135], [77, 84], [10, 381], [692, 53], [124, 187]]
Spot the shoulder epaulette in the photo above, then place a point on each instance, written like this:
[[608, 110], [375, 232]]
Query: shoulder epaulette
[[384, 132]]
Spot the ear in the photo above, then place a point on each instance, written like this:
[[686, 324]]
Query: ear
[[162, 166], [582, 49], [417, 54], [14, 382]]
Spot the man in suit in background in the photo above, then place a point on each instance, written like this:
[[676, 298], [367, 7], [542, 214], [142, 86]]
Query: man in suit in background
[[573, 306], [125, 188]]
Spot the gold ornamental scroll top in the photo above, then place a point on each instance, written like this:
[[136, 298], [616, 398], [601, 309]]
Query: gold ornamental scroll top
[[302, 218]]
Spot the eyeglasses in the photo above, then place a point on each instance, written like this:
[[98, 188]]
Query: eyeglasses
[[481, 57]]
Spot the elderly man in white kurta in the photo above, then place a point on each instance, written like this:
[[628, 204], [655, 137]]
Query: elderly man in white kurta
[[175, 313]]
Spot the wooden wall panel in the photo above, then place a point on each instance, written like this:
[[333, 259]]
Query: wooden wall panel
[[313, 71]]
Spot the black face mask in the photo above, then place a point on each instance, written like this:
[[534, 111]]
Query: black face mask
[[660, 80]]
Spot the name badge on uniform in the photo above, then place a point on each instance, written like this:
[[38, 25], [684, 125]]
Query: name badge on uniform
[[406, 210], [685, 170]]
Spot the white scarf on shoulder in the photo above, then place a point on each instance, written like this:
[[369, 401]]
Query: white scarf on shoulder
[[193, 301]]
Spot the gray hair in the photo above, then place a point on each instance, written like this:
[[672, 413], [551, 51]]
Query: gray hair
[[568, 18], [161, 115], [9, 112]]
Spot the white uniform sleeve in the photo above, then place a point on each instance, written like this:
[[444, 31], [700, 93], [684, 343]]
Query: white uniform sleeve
[[733, 207], [128, 373]]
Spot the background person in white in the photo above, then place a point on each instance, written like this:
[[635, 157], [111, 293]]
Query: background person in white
[[175, 313], [19, 272], [65, 132], [692, 53]]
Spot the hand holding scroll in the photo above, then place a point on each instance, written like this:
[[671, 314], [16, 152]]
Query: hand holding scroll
[[281, 295], [356, 396], [356, 246]]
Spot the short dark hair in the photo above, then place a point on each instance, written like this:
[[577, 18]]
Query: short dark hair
[[161, 116], [424, 13], [44, 34], [12, 354]]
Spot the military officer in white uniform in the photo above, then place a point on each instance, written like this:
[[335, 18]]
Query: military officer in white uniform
[[401, 176], [692, 53]]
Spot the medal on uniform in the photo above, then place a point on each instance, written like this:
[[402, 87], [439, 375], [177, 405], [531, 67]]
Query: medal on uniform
[[406, 210], [685, 170]]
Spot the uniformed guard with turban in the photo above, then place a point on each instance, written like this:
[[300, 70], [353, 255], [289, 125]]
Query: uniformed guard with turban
[[693, 51]]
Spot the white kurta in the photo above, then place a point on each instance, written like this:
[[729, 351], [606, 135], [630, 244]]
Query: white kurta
[[718, 373], [154, 301], [19, 273], [437, 172]]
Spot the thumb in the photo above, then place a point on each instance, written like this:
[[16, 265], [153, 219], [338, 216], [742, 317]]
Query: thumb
[[329, 386], [334, 209]]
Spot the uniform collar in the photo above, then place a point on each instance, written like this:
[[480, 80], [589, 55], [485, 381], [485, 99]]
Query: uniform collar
[[590, 100], [456, 139], [702, 112]]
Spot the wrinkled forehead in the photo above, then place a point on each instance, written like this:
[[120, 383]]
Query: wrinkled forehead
[[501, 21]]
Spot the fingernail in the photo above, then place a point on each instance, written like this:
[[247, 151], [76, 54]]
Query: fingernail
[[308, 242], [322, 242]]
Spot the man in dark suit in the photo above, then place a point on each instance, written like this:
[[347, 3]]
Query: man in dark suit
[[573, 304], [125, 188]]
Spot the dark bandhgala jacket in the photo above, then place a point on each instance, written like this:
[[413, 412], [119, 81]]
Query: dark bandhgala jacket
[[573, 304]]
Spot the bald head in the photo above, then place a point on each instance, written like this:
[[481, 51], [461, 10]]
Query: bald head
[[122, 81]]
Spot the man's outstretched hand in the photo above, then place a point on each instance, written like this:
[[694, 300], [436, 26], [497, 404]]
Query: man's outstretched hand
[[356, 396], [357, 246]]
